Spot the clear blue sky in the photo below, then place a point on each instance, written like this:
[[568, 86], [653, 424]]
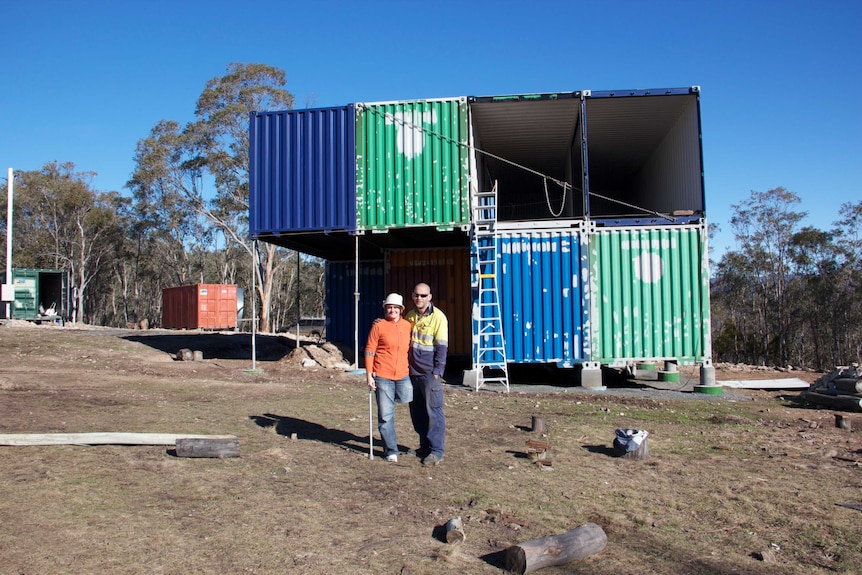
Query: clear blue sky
[[781, 81]]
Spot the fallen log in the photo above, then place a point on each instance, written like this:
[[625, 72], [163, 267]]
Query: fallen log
[[99, 438], [842, 402], [578, 543]]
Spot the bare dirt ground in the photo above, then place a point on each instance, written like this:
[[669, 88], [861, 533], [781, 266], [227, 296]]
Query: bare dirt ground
[[748, 483]]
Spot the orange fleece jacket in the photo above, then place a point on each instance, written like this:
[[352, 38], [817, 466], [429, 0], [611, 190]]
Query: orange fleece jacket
[[388, 342]]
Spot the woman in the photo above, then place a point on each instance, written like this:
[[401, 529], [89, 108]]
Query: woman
[[386, 369]]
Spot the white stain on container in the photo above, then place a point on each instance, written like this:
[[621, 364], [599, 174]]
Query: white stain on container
[[648, 267]]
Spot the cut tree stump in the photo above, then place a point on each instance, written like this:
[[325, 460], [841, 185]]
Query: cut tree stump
[[455, 530], [538, 424], [578, 543], [537, 449], [538, 445], [208, 447]]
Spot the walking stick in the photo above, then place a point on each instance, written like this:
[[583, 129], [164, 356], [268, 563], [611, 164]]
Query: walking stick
[[370, 428]]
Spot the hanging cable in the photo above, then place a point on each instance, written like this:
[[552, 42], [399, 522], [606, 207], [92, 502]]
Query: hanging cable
[[548, 200]]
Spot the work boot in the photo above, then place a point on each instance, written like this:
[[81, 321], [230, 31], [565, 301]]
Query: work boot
[[432, 459]]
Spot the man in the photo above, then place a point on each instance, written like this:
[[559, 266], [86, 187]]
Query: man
[[429, 344]]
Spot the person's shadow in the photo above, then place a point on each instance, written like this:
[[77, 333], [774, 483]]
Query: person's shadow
[[285, 425]]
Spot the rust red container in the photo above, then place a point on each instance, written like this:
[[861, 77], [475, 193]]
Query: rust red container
[[200, 306], [447, 271]]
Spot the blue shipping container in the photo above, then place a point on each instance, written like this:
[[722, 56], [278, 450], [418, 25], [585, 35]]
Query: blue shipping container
[[302, 171], [542, 296]]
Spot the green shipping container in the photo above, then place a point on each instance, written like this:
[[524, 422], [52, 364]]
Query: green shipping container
[[40, 295], [649, 293], [412, 165]]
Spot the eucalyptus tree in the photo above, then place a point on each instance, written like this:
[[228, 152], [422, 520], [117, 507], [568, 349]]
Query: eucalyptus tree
[[177, 164], [847, 234], [169, 202], [764, 226], [221, 142], [814, 298]]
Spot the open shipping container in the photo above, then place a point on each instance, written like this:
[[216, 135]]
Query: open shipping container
[[616, 157], [40, 295]]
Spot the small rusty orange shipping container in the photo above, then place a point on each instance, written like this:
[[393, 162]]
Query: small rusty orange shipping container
[[200, 306]]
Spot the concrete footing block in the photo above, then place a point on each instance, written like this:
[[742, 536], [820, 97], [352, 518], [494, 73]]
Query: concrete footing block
[[471, 378], [707, 373], [591, 376]]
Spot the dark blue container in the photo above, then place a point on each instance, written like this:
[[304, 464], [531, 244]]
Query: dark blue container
[[302, 171], [340, 312]]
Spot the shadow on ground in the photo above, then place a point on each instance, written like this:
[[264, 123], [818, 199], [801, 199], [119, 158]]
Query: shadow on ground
[[219, 345], [308, 430]]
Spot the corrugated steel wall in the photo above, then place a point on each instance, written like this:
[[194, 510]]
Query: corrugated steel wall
[[302, 171], [412, 164], [447, 272], [673, 175], [649, 291], [200, 306], [340, 285], [542, 295]]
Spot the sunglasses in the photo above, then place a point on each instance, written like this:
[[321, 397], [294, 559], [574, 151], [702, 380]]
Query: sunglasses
[[421, 294]]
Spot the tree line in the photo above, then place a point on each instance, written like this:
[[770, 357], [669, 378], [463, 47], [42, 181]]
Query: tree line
[[786, 294], [789, 294], [185, 220]]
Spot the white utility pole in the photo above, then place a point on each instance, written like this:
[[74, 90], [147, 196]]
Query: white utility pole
[[9, 243]]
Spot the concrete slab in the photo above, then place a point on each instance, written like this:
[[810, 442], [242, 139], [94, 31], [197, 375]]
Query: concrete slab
[[788, 383]]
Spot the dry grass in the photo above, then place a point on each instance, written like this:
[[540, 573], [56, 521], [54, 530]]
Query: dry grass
[[729, 487]]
